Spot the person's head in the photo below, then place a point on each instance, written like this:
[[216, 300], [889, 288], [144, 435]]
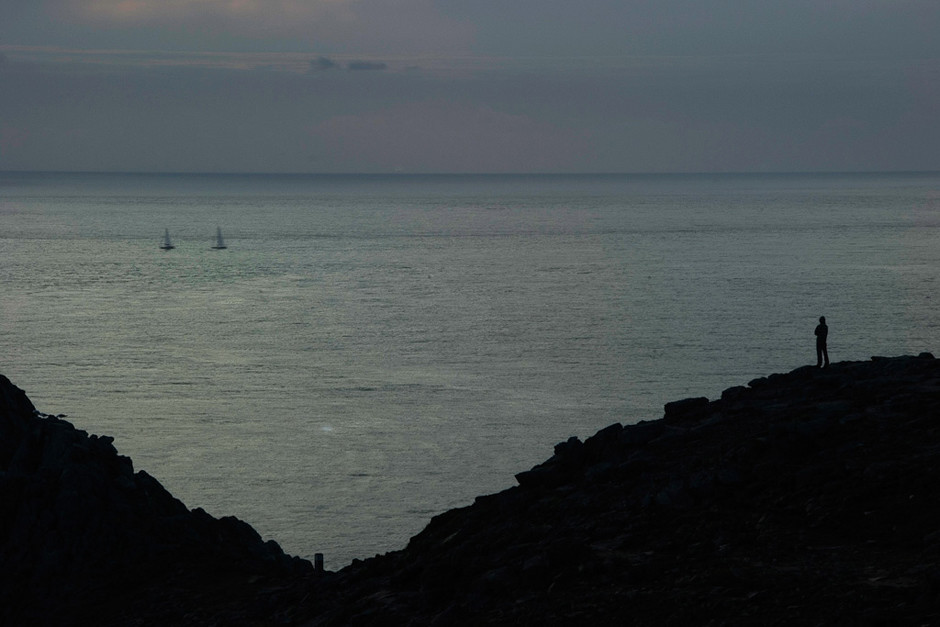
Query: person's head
[[822, 319]]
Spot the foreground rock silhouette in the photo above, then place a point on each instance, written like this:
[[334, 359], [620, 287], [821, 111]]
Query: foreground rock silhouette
[[811, 497], [84, 540]]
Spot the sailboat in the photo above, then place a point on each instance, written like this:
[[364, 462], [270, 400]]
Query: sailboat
[[219, 242], [167, 244]]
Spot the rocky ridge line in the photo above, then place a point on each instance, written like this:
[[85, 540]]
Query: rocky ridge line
[[811, 497], [86, 540]]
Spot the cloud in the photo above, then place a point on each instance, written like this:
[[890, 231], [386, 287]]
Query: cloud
[[524, 28], [159, 12], [67, 110], [702, 27], [341, 26], [322, 64], [354, 66]]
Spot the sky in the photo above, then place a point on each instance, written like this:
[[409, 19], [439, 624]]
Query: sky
[[477, 86]]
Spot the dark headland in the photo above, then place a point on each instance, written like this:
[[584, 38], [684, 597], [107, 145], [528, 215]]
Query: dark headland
[[811, 497]]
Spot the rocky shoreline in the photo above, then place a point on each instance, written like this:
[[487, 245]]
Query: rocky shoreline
[[811, 497], [85, 540]]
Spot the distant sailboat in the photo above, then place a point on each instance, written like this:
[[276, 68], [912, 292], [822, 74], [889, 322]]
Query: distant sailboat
[[167, 244], [219, 242]]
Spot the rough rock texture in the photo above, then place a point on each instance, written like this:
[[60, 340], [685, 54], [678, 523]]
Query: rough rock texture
[[806, 498], [86, 540]]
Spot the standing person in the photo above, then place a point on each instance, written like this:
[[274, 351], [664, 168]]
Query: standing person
[[822, 332]]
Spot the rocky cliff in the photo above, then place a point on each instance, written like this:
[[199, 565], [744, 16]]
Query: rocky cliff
[[811, 497], [84, 540]]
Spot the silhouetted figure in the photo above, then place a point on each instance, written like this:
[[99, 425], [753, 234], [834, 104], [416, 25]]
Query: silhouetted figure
[[822, 332]]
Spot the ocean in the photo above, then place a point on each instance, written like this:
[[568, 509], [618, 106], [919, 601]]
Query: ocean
[[370, 351]]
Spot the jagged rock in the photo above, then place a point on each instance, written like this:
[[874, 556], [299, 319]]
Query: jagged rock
[[82, 534], [676, 411], [810, 497]]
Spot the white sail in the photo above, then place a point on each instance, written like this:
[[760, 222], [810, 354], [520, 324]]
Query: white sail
[[219, 242]]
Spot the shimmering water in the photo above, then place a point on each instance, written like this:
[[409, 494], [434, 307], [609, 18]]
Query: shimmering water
[[371, 351]]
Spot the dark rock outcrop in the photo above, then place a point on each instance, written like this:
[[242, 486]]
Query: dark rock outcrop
[[86, 540], [811, 497]]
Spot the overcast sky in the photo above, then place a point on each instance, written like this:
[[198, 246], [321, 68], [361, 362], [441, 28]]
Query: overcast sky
[[469, 85]]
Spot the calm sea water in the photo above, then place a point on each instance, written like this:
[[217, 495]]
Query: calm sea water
[[371, 351]]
